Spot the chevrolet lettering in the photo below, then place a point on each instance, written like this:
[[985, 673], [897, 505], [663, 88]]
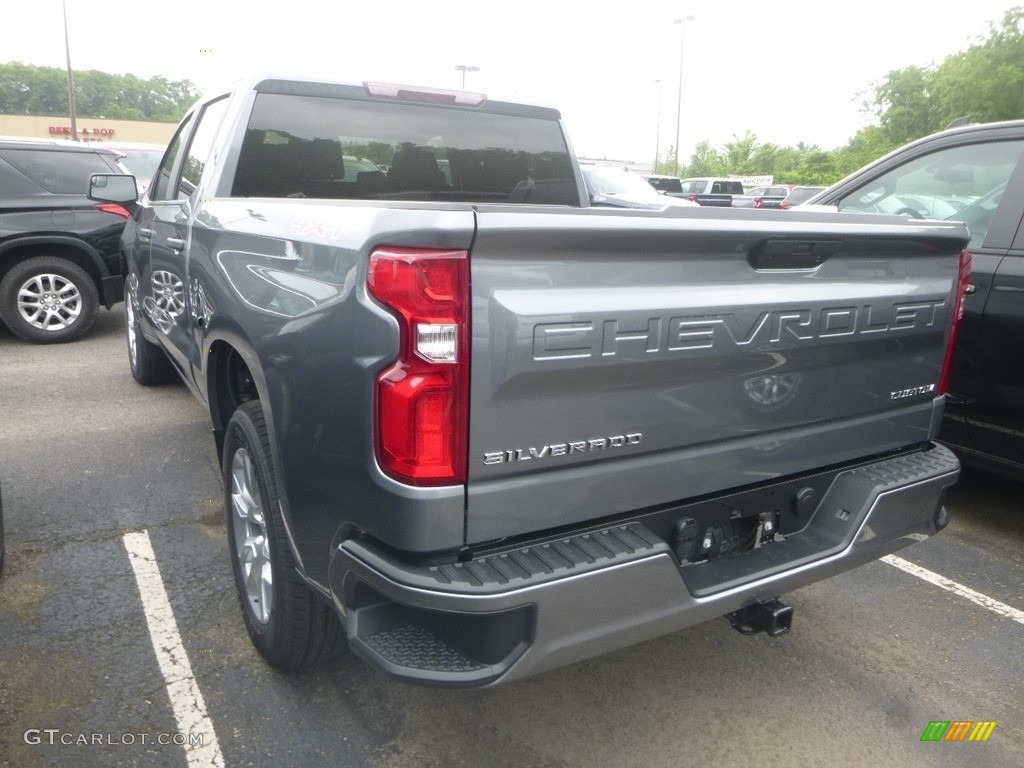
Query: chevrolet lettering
[[681, 333]]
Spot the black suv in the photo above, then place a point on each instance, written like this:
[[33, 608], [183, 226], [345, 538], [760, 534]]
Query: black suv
[[59, 251], [973, 174]]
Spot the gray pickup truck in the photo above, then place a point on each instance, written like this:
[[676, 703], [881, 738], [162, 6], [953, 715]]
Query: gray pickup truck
[[483, 429]]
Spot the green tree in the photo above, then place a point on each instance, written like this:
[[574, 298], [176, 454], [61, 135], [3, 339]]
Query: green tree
[[905, 106], [985, 82], [705, 161], [739, 151], [30, 90]]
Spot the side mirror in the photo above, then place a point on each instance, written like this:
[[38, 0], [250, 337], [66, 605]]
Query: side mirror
[[113, 188]]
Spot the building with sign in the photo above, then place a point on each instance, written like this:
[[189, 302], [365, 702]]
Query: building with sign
[[89, 128]]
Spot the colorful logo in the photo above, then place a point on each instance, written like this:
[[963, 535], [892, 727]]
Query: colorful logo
[[958, 730]]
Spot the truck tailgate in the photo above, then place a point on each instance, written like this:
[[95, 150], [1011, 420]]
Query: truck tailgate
[[624, 360]]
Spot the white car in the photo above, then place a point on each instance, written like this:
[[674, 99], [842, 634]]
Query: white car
[[619, 187], [141, 159]]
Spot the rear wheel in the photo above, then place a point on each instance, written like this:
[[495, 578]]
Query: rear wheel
[[1, 534], [48, 299], [288, 623]]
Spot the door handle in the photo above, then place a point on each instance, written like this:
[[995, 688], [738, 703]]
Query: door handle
[[176, 243], [145, 234]]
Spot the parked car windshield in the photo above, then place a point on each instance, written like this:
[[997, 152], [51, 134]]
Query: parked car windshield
[[609, 181], [961, 183]]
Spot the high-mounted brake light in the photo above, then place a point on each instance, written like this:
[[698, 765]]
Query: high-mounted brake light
[[958, 313], [423, 396], [421, 94]]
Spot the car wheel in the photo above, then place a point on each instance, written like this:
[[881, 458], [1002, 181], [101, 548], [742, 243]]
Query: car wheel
[[1, 534], [289, 624], [48, 300], [148, 363]]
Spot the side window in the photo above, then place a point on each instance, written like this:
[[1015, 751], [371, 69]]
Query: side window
[[200, 146], [63, 173], [158, 190], [962, 183]]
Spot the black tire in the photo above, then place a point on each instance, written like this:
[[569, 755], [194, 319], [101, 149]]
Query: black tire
[[290, 625], [1, 534], [48, 300], [148, 363]]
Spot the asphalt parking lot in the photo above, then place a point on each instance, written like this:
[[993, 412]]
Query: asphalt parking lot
[[121, 642]]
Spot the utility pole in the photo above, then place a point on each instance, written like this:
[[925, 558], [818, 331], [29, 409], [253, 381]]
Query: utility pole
[[71, 77], [679, 104], [657, 131]]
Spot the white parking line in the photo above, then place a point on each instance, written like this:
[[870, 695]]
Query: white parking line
[[186, 698], [959, 589]]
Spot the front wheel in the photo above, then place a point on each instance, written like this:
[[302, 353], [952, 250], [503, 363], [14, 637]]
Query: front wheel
[[288, 623], [148, 363], [48, 300]]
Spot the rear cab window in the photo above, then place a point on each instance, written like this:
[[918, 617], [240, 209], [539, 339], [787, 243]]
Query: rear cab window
[[358, 149], [727, 188]]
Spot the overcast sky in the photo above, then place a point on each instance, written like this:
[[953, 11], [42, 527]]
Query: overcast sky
[[789, 72]]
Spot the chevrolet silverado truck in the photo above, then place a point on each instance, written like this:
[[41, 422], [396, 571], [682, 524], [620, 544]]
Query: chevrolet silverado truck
[[480, 428]]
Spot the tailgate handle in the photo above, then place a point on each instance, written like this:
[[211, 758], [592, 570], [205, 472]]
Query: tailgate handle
[[792, 254]]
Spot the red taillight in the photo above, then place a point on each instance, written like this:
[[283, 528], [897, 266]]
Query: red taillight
[[692, 198], [114, 208], [423, 397], [958, 313], [757, 202]]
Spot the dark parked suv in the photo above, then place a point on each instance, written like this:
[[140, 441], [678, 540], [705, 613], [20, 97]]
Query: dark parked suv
[[59, 254], [973, 174]]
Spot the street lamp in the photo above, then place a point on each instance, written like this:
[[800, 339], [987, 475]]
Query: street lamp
[[657, 130], [71, 77], [464, 69], [679, 104]]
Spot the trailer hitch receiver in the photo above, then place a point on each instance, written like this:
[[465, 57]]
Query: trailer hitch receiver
[[771, 616]]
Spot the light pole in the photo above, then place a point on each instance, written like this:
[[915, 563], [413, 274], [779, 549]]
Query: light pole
[[679, 104], [657, 131], [464, 69], [71, 77]]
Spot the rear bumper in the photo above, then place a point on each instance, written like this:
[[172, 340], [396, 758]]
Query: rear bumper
[[525, 610]]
